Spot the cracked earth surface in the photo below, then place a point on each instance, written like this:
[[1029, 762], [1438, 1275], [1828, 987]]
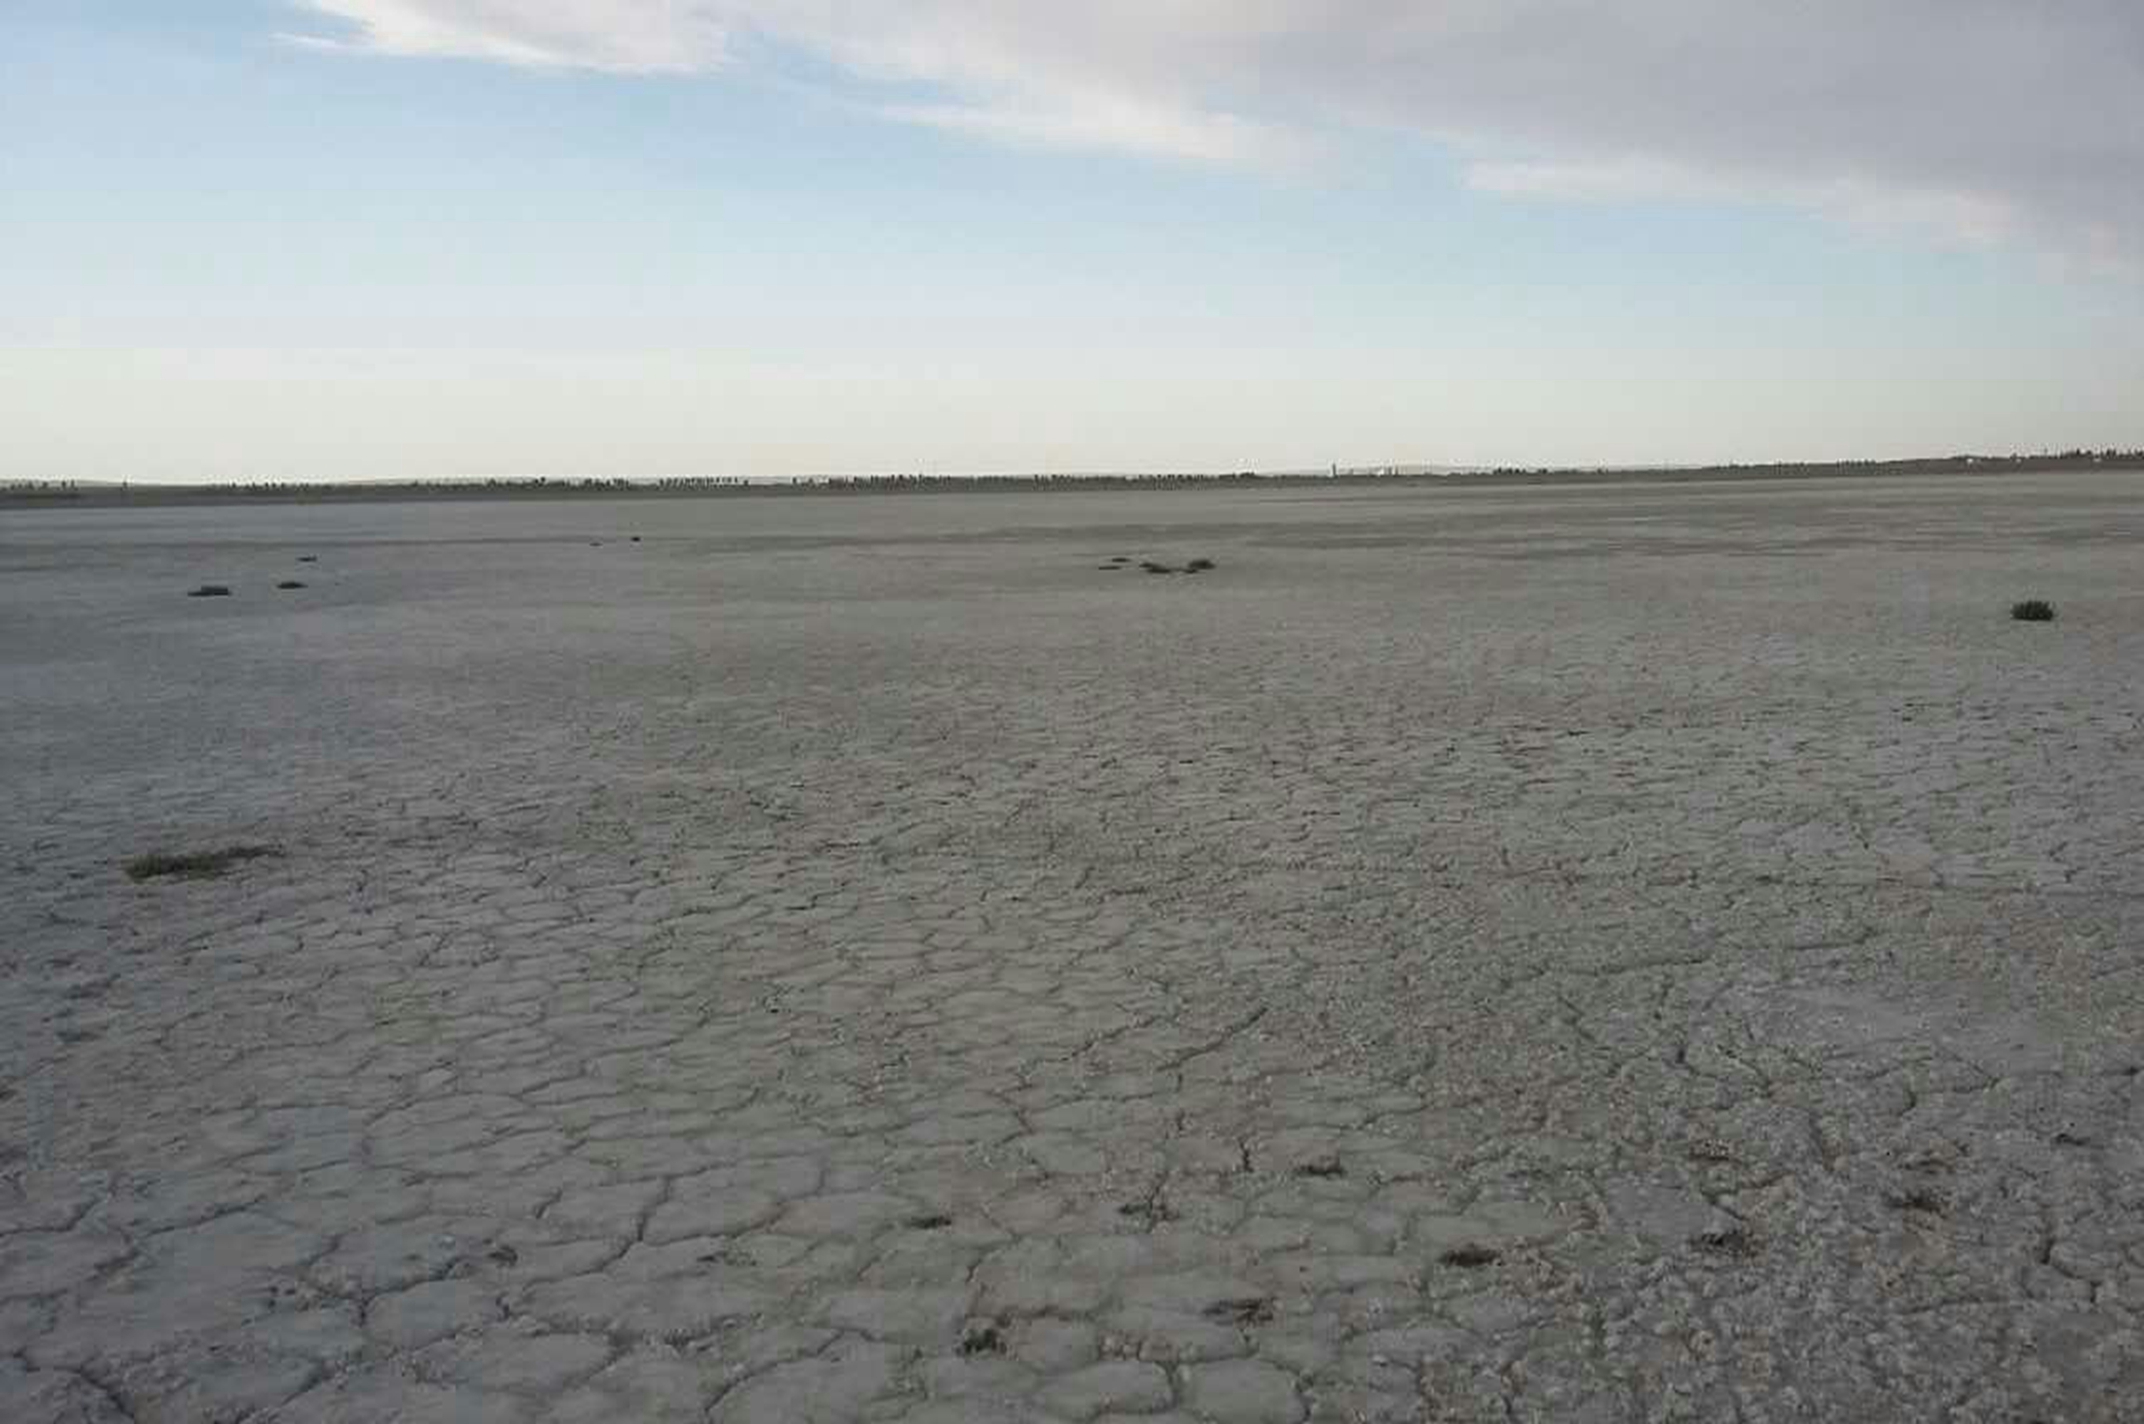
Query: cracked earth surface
[[1648, 953]]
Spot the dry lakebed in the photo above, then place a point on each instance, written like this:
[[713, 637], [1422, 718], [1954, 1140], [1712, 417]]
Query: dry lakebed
[[1594, 953]]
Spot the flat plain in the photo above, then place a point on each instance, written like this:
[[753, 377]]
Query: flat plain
[[1603, 953]]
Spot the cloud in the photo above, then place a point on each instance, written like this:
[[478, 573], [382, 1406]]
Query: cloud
[[618, 36], [1981, 120], [1112, 122]]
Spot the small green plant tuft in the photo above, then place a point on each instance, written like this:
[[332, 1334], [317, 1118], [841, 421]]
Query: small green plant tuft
[[2033, 610], [209, 590], [196, 865], [290, 583]]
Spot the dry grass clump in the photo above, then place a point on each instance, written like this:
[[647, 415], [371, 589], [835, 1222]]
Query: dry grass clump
[[2033, 610]]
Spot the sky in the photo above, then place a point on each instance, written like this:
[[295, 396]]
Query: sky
[[390, 239]]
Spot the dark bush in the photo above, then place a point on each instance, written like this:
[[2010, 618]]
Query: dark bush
[[1733, 1242], [209, 590], [2033, 610], [290, 583], [1926, 1200], [1471, 1257], [195, 865], [1240, 1310], [1198, 566]]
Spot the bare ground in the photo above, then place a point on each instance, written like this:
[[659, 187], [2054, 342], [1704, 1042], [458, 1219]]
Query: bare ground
[[1621, 953]]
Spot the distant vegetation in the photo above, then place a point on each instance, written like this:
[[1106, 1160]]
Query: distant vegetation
[[2033, 610], [31, 491]]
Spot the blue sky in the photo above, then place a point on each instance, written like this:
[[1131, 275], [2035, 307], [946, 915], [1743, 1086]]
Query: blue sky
[[354, 239]]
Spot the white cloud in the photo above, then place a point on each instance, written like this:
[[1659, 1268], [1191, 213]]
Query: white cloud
[[1979, 119], [622, 36], [1112, 123]]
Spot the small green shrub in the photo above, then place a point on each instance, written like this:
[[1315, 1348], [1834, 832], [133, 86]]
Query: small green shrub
[[2033, 610], [209, 590]]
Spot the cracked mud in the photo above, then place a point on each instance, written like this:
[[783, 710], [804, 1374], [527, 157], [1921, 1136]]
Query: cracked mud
[[1472, 955]]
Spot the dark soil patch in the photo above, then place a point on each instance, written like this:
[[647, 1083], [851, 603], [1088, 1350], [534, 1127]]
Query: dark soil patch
[[196, 865], [1199, 566], [930, 1221], [983, 1340], [1322, 1167]]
